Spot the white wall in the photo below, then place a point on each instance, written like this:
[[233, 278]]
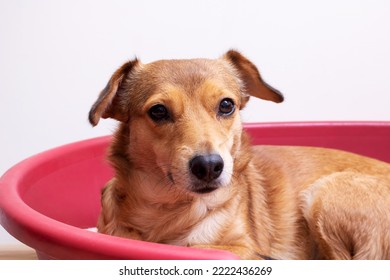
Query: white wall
[[331, 60]]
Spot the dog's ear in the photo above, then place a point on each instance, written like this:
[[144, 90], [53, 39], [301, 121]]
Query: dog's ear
[[110, 103], [250, 76]]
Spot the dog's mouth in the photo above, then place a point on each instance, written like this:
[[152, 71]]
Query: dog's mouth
[[204, 189]]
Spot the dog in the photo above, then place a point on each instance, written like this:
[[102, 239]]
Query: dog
[[186, 173]]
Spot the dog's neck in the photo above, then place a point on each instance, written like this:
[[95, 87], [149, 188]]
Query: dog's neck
[[172, 216]]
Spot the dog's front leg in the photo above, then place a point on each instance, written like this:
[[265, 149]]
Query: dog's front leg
[[110, 221]]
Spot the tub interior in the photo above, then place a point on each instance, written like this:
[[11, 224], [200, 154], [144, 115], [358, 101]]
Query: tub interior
[[66, 186]]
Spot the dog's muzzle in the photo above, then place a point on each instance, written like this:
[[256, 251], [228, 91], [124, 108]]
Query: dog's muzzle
[[206, 168]]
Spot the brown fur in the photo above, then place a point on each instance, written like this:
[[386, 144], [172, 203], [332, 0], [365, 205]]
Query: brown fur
[[283, 202]]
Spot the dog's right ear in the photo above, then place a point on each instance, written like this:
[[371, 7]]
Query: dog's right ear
[[110, 101], [253, 83]]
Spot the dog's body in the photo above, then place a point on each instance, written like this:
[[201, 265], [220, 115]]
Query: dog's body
[[187, 175]]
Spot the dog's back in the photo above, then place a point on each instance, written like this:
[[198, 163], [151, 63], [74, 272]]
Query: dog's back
[[331, 188]]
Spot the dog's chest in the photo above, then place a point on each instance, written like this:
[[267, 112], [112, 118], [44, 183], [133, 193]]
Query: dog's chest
[[206, 230], [199, 222]]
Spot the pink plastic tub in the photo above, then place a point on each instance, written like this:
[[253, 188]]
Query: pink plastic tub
[[46, 201]]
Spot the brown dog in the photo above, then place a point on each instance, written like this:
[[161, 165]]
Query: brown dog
[[186, 174]]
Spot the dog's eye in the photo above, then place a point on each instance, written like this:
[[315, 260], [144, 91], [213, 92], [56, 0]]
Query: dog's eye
[[226, 107], [159, 113]]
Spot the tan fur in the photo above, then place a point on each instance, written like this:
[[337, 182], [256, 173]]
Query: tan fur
[[282, 202]]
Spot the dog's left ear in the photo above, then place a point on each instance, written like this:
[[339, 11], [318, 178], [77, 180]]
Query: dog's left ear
[[111, 101], [250, 76]]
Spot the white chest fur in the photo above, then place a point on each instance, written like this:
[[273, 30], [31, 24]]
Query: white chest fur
[[210, 226]]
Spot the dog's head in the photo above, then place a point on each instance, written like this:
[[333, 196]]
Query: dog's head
[[183, 116]]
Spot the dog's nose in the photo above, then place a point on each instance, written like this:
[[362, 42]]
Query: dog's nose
[[207, 167]]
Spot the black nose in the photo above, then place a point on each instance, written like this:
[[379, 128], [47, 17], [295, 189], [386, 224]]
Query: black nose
[[207, 167]]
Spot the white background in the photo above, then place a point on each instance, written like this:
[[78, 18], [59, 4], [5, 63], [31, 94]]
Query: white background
[[330, 59]]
